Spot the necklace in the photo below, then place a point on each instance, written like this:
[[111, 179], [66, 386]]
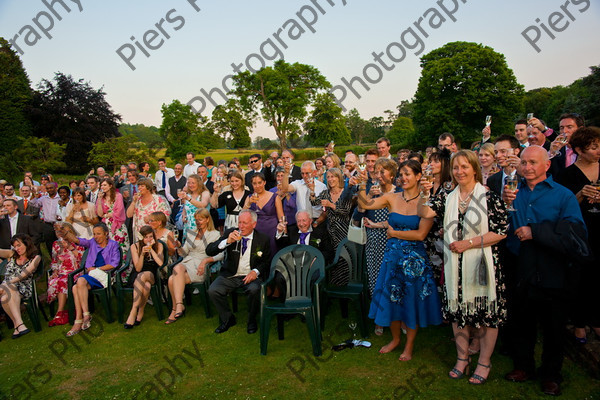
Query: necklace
[[411, 199], [462, 204]]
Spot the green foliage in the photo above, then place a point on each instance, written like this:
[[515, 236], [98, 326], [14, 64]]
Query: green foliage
[[262, 143], [15, 97], [73, 113], [279, 94], [582, 97], [184, 131], [229, 122], [143, 133], [115, 152], [402, 131], [356, 125], [460, 84], [326, 122], [40, 155]]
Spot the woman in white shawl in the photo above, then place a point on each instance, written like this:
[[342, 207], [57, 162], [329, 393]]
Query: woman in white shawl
[[475, 220]]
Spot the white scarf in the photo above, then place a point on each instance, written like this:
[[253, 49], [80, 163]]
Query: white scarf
[[475, 297]]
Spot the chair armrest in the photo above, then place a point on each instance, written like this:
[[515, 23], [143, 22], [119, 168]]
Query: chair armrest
[[173, 264], [71, 276], [119, 271]]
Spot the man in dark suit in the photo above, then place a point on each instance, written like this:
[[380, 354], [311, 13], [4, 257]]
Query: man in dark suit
[[25, 206], [565, 156], [288, 158], [256, 165], [247, 264], [507, 149], [305, 235], [13, 223]]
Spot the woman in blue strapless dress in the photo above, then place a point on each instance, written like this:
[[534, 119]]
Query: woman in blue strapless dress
[[405, 292]]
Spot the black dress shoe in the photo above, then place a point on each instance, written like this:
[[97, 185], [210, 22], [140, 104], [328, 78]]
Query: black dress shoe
[[128, 326], [551, 388], [517, 375], [252, 327], [226, 325]]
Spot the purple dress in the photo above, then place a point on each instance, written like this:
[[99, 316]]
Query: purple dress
[[267, 220]]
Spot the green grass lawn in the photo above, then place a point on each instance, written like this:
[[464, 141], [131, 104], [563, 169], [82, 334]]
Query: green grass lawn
[[187, 360]]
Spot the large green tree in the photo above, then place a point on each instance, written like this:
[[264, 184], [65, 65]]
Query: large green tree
[[280, 95], [460, 84], [185, 131], [15, 98], [357, 126], [233, 126], [402, 132], [326, 122], [72, 112], [118, 151]]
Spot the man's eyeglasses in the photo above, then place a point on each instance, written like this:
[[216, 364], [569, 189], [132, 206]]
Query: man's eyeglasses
[[252, 161]]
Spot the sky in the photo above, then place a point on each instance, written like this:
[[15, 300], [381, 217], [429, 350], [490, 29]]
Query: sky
[[369, 50]]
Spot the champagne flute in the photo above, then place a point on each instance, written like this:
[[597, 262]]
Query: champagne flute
[[284, 222], [361, 162], [488, 120], [529, 118], [512, 184], [428, 175], [596, 185]]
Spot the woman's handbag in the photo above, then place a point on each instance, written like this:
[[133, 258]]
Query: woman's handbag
[[100, 276], [357, 234]]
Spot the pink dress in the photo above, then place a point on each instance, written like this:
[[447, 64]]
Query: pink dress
[[158, 203]]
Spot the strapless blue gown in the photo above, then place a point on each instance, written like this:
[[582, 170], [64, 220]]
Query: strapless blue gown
[[405, 289]]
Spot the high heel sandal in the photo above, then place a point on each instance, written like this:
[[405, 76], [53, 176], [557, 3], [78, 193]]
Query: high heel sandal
[[179, 314], [480, 380], [74, 332], [170, 321], [86, 324], [459, 374]]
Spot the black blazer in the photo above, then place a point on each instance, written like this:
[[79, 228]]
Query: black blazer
[[260, 244], [25, 225], [557, 164], [295, 173], [495, 183], [248, 178], [318, 239], [31, 211]]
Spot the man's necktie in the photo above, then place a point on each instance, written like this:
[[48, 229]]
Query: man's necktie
[[164, 180], [303, 238], [244, 245], [25, 201]]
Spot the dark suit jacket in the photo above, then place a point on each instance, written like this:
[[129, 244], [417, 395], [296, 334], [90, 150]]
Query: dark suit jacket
[[248, 178], [318, 239], [295, 173], [495, 183], [24, 225], [260, 243], [31, 211], [557, 164]]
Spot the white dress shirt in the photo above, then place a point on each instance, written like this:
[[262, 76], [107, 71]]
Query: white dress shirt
[[13, 221], [303, 196], [158, 179], [190, 169]]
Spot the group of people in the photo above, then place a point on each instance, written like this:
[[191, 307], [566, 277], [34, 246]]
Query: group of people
[[490, 240]]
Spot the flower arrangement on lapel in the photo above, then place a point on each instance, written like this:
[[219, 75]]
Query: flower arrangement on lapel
[[317, 241], [259, 253]]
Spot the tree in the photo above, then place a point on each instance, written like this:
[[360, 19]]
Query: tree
[[229, 122], [73, 113], [181, 130], [376, 129], [326, 122], [146, 134], [279, 94], [15, 98], [405, 109], [402, 131], [40, 155], [357, 126], [117, 151], [460, 84]]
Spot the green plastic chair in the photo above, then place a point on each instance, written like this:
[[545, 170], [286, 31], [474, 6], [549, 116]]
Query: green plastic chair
[[155, 290], [355, 290], [32, 304], [104, 294], [298, 264]]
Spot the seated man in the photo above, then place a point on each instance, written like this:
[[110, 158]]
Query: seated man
[[247, 265], [305, 235]]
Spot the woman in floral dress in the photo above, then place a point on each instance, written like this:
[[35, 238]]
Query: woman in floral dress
[[111, 209]]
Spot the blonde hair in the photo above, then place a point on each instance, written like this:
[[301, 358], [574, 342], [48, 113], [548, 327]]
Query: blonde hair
[[338, 173], [472, 159], [336, 160], [204, 213], [201, 187], [488, 148]]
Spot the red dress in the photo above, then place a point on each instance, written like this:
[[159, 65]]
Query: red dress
[[65, 259]]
